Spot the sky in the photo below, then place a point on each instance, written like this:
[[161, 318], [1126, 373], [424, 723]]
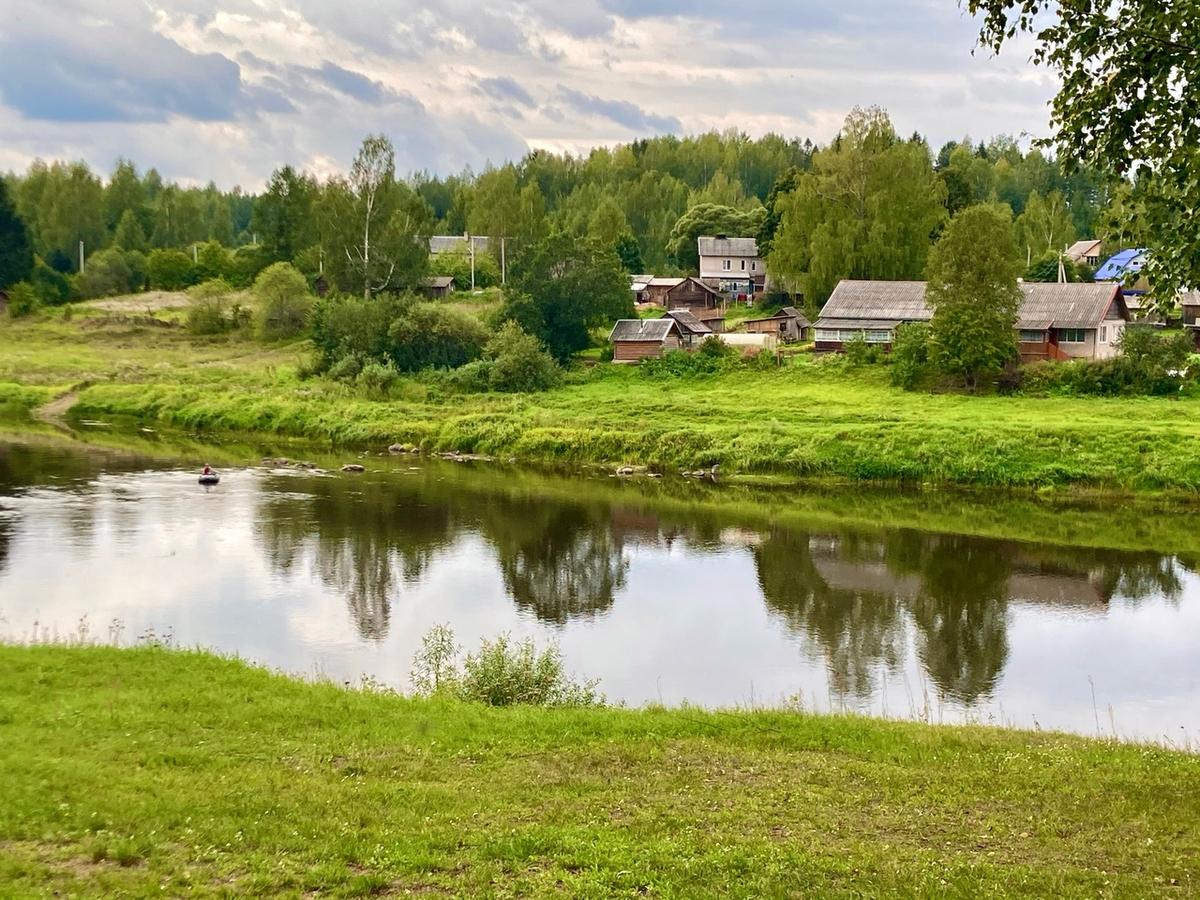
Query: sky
[[228, 90]]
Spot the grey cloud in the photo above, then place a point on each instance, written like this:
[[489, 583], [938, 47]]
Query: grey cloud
[[622, 112], [505, 87], [352, 84]]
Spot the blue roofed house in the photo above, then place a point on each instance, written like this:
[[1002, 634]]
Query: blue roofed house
[[1124, 267]]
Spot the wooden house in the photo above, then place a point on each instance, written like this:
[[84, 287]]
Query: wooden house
[[636, 339], [682, 293], [437, 286], [714, 318], [1086, 253], [1189, 308], [789, 324], [732, 263], [1055, 321]]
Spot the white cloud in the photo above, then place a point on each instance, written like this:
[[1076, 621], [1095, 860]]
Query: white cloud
[[230, 89]]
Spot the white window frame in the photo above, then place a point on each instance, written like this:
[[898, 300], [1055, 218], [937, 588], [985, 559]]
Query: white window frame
[[1063, 332], [726, 264], [1104, 334]]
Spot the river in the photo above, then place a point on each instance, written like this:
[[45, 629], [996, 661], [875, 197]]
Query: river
[[666, 591]]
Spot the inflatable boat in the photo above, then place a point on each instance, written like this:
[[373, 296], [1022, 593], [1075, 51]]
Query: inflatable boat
[[211, 478]]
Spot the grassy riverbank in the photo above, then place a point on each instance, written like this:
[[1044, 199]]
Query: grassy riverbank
[[807, 419], [138, 772]]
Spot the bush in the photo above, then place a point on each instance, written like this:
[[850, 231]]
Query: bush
[[910, 354], [284, 303], [432, 336], [106, 274], [472, 378], [170, 270], [212, 261], [519, 362], [1152, 363], [244, 264], [22, 299], [502, 672], [860, 353], [50, 285], [345, 325], [209, 309], [347, 368], [377, 378], [711, 357]]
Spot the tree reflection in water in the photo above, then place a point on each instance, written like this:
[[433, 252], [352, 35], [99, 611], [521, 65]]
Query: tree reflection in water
[[365, 539]]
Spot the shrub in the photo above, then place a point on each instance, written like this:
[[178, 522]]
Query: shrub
[[472, 378], [519, 362], [377, 378], [503, 672], [50, 285], [106, 274], [711, 357], [1159, 360], [22, 299], [284, 303], [432, 336], [209, 309], [170, 270], [910, 354], [860, 353], [244, 264], [345, 325], [347, 368], [212, 261]]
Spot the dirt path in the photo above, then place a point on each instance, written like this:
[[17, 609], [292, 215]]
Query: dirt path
[[55, 412], [140, 303]]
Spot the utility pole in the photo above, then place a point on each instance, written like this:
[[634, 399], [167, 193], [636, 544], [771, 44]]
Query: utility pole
[[471, 238], [195, 255], [503, 267], [81, 257]]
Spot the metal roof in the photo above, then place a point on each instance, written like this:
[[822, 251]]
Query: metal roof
[[883, 304], [457, 243], [727, 246], [688, 322], [1066, 305], [643, 329], [902, 301], [1117, 266], [439, 281]]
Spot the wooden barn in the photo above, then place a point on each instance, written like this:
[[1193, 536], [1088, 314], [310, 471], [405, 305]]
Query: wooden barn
[[636, 339], [692, 331], [789, 325], [683, 293], [438, 286]]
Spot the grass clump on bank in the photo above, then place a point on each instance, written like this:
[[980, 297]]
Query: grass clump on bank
[[132, 772]]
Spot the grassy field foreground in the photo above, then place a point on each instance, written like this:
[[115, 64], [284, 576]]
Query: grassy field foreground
[[807, 419], [147, 771]]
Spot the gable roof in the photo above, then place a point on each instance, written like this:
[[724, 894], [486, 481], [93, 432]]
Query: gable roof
[[727, 246], [892, 300], [1082, 250], [884, 304], [787, 312], [687, 321], [1121, 263], [643, 329], [439, 281], [1082, 305]]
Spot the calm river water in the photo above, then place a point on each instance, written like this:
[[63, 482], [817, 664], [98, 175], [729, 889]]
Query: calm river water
[[771, 597]]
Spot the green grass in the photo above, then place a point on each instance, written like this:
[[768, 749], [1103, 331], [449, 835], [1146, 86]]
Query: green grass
[[810, 419], [139, 772]]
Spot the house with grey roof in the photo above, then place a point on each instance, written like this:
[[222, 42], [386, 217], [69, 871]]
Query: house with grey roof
[[692, 330], [732, 264], [1055, 321], [636, 339]]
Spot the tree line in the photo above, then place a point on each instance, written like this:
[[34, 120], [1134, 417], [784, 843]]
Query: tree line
[[868, 204]]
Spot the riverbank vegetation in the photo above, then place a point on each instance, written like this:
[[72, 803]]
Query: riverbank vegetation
[[824, 418], [181, 772]]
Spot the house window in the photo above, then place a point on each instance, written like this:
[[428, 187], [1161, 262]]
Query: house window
[[1032, 336], [1071, 336], [1103, 334], [879, 336], [827, 334], [753, 266], [727, 264], [743, 265]]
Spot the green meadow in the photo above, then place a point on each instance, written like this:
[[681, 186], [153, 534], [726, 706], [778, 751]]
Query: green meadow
[[811, 418], [167, 773]]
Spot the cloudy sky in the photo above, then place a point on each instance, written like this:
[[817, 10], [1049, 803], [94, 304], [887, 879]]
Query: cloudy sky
[[230, 89]]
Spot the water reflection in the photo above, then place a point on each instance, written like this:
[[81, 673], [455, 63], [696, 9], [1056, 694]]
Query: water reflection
[[864, 606]]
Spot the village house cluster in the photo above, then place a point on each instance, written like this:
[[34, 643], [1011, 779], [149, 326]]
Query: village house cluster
[[1056, 321]]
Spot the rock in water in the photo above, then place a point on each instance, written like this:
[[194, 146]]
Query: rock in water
[[353, 467]]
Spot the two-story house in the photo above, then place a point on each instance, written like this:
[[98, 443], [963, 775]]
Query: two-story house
[[732, 264]]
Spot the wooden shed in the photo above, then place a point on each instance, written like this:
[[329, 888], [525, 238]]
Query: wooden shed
[[692, 331], [437, 286], [636, 339], [789, 324]]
